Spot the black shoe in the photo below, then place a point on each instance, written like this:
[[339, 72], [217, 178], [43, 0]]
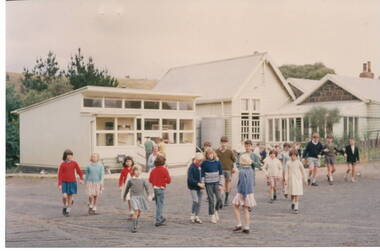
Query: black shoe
[[64, 211], [309, 181], [286, 196], [314, 184], [237, 228], [163, 221], [67, 214], [292, 206], [274, 197], [246, 231]]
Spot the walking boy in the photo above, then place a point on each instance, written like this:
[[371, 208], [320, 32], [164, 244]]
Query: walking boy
[[312, 153]]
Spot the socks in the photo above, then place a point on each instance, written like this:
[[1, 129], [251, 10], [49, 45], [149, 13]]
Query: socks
[[239, 224], [68, 209], [296, 205], [271, 194], [331, 178], [314, 180]]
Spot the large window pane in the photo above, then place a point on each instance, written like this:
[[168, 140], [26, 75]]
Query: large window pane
[[186, 137], [169, 137], [138, 122], [105, 123], [255, 105], [292, 129], [125, 124], [284, 129], [104, 139], [151, 124], [169, 124], [277, 129], [188, 106], [92, 102], [270, 129], [245, 104], [112, 103], [298, 129], [186, 124], [169, 105], [152, 105], [132, 104], [125, 139]]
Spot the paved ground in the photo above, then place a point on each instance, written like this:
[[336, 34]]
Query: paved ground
[[344, 214]]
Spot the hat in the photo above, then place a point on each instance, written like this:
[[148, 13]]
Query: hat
[[245, 160], [199, 156]]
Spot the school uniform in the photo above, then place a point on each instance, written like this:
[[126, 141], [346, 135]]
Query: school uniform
[[352, 153]]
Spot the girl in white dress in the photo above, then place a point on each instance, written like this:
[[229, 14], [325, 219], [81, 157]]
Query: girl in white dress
[[295, 177]]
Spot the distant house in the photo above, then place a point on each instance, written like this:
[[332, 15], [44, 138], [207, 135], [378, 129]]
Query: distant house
[[109, 121], [255, 101]]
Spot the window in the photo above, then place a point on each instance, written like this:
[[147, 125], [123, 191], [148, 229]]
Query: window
[[104, 139], [298, 129], [152, 105], [186, 106], [139, 138], [112, 103], [186, 137], [244, 129], [125, 139], [105, 124], [92, 102], [186, 124], [125, 124], [255, 105], [132, 104], [292, 129], [284, 130], [245, 104], [166, 105], [277, 129], [169, 124], [138, 124], [270, 129], [255, 128], [356, 126], [151, 124], [306, 128], [169, 137], [350, 127]]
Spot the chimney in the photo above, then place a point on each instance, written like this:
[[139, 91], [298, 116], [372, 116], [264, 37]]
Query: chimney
[[367, 71]]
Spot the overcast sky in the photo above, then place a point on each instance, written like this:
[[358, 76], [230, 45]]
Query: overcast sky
[[144, 38]]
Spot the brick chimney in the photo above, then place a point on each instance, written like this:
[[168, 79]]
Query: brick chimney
[[367, 71]]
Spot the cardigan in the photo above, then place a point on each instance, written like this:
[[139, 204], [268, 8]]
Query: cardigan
[[94, 172], [136, 187], [159, 177], [67, 171], [194, 177]]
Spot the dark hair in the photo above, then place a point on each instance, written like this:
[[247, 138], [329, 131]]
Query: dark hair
[[160, 160], [67, 152], [286, 145], [273, 152], [125, 161], [329, 137], [293, 152], [248, 142], [207, 143], [224, 139]]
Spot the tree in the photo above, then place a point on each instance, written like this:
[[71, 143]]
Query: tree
[[314, 71], [44, 73], [322, 119], [81, 73]]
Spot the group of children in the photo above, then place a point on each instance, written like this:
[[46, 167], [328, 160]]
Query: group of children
[[212, 171]]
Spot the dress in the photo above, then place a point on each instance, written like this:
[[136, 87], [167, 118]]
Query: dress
[[94, 179], [273, 170], [244, 196], [295, 175], [135, 189]]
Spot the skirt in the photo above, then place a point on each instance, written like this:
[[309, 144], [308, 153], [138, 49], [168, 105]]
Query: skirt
[[249, 200], [69, 187], [94, 188], [139, 203]]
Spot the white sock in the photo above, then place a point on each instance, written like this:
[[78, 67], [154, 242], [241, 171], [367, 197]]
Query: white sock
[[296, 205], [246, 227], [314, 180], [331, 178], [271, 194], [239, 224], [68, 209], [94, 208]]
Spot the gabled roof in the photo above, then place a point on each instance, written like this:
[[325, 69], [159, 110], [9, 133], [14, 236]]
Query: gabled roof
[[303, 85], [216, 80], [366, 89]]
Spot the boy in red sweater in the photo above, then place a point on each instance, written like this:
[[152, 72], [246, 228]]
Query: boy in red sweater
[[159, 177], [67, 181]]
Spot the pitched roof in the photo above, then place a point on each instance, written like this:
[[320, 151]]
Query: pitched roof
[[303, 85], [216, 80], [137, 83], [365, 89]]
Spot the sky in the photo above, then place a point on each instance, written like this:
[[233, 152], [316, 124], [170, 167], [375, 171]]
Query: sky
[[145, 38]]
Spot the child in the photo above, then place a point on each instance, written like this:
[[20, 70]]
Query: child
[[313, 152], [67, 180], [126, 174], [152, 158], [245, 196], [273, 171], [255, 159], [352, 154], [136, 186], [295, 176], [329, 150], [284, 157], [159, 177], [94, 182], [212, 177], [194, 183], [227, 159]]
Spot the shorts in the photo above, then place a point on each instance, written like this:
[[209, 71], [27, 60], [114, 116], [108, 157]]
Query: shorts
[[69, 187], [274, 181], [227, 175], [330, 160], [351, 162], [313, 162]]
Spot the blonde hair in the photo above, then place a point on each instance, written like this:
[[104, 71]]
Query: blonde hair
[[198, 156], [208, 151], [95, 154], [136, 170], [245, 160]]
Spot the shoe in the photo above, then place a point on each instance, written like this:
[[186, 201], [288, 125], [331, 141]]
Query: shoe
[[237, 228], [197, 220], [353, 180], [67, 213], [216, 216], [192, 219], [309, 181], [296, 211], [163, 221], [286, 196], [330, 182], [246, 231], [314, 184], [275, 197], [213, 219], [292, 206], [64, 211], [328, 177], [134, 226]]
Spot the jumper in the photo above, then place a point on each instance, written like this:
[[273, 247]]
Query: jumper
[[295, 175], [272, 167], [332, 150], [211, 171], [136, 187], [94, 172], [227, 158], [194, 177], [159, 177], [148, 145], [312, 150], [67, 171]]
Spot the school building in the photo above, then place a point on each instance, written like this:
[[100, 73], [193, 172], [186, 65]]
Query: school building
[[109, 121]]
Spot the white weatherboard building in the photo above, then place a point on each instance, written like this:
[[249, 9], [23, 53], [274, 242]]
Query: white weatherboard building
[[109, 121], [255, 101]]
